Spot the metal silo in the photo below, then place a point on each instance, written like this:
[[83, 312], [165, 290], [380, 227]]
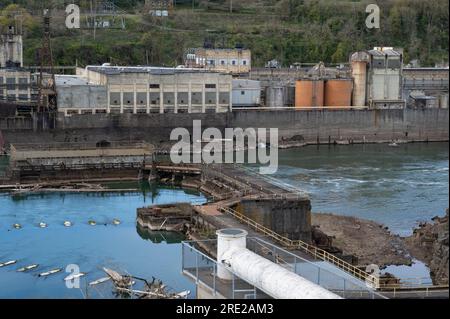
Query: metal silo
[[338, 93], [309, 93], [275, 95], [359, 61]]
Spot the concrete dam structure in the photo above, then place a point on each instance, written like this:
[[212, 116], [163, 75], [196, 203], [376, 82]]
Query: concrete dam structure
[[309, 126]]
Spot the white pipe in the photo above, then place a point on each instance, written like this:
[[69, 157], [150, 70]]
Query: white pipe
[[234, 258], [227, 239]]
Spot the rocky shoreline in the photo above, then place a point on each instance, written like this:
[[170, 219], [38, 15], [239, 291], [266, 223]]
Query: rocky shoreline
[[429, 243], [373, 243]]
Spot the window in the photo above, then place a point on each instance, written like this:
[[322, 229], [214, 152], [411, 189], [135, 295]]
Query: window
[[141, 98], [183, 98], [10, 83], [128, 98], [154, 98], [154, 86], [242, 92], [223, 62], [244, 62], [233, 62], [210, 86], [23, 84], [114, 98]]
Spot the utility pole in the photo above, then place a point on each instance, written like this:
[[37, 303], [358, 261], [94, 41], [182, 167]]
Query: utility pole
[[231, 6]]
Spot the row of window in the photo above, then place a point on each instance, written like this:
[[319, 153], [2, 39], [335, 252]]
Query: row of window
[[169, 98], [158, 86], [11, 83], [13, 97], [226, 62]]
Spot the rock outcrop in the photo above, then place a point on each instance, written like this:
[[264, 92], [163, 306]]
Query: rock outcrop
[[429, 243]]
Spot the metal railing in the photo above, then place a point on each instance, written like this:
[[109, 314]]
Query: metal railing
[[203, 270], [313, 251]]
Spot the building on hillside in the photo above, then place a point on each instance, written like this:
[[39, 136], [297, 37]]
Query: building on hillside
[[233, 61], [143, 90]]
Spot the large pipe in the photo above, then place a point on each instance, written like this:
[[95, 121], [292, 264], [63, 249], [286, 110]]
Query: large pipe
[[271, 278]]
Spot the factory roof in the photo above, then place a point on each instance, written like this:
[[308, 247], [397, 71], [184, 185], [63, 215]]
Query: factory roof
[[114, 70], [388, 52], [70, 80]]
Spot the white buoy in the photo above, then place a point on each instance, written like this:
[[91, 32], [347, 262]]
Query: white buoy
[[67, 224], [116, 222], [43, 225], [92, 223], [17, 226]]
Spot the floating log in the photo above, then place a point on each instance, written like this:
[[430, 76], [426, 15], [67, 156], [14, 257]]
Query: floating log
[[99, 281], [28, 268], [50, 272], [8, 263], [74, 276]]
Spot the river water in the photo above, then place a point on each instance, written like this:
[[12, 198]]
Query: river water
[[123, 247], [395, 186]]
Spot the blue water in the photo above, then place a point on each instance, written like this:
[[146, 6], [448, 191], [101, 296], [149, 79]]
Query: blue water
[[397, 187], [90, 247]]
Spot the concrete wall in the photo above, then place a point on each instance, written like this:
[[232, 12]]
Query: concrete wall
[[323, 126], [78, 97], [289, 218]]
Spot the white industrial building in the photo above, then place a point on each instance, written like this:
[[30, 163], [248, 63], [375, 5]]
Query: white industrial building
[[378, 78], [143, 90]]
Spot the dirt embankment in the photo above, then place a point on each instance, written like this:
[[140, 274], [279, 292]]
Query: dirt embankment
[[369, 241]]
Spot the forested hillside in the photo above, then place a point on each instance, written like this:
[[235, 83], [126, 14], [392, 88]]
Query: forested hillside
[[290, 31]]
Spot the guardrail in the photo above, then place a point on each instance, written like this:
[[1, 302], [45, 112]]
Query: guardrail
[[313, 251]]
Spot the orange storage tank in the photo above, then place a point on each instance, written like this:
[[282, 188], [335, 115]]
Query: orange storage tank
[[309, 93], [338, 93]]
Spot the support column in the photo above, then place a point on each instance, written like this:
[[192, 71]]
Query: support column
[[121, 101], [134, 99], [108, 100], [161, 99], [175, 93], [217, 96], [230, 103], [190, 98], [203, 98]]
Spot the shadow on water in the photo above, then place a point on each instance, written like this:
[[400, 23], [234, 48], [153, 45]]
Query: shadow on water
[[158, 237]]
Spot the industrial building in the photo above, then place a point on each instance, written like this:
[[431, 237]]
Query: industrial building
[[233, 61], [14, 80], [143, 90], [15, 85], [246, 93], [378, 78]]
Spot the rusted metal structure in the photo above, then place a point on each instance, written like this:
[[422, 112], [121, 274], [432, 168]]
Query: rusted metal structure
[[309, 93], [47, 89], [338, 93]]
